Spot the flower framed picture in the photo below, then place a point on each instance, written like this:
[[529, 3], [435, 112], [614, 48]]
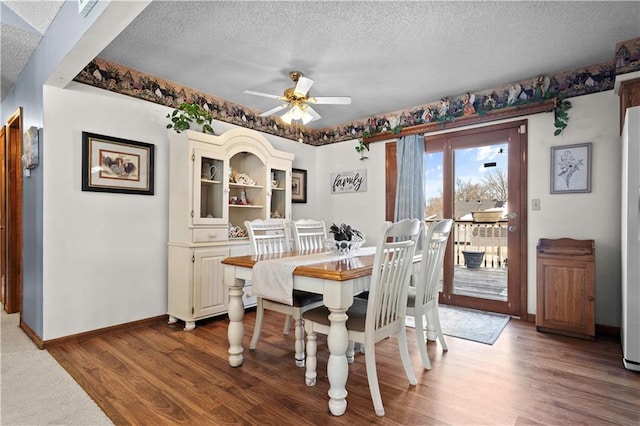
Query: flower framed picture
[[112, 164], [298, 186], [571, 168]]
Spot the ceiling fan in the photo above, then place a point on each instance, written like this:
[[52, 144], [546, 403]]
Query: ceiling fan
[[297, 100]]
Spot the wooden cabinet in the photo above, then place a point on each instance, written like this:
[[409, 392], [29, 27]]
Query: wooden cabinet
[[629, 91], [566, 287], [216, 183]]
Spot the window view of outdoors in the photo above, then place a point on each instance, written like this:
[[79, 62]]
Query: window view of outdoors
[[480, 196]]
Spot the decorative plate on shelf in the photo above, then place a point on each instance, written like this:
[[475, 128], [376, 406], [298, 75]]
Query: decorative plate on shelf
[[244, 179]]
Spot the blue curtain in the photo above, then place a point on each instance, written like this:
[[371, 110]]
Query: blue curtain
[[410, 199]]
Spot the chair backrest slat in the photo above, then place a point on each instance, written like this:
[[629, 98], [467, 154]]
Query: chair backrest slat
[[433, 252], [391, 272], [268, 236], [309, 234]]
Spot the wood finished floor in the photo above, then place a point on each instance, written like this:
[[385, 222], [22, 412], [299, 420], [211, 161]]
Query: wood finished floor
[[163, 375]]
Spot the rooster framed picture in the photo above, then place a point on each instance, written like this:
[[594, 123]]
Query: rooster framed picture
[[111, 164]]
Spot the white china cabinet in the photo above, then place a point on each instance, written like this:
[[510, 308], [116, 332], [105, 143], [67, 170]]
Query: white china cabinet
[[215, 184]]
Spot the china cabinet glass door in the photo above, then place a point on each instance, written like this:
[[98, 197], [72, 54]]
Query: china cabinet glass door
[[208, 192]]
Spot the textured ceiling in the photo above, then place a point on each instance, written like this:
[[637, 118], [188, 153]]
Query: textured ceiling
[[385, 55], [23, 24]]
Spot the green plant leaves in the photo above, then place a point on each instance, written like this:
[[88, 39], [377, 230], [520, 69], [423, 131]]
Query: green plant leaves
[[186, 113], [561, 115]]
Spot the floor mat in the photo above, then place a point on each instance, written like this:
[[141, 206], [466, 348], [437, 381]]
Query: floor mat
[[469, 324]]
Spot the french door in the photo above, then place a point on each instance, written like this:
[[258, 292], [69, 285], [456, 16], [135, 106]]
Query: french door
[[480, 175]]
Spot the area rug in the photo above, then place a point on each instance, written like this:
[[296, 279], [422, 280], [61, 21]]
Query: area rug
[[470, 324]]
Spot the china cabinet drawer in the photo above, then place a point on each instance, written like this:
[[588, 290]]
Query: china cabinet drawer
[[210, 235]]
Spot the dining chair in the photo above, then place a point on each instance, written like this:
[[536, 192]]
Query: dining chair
[[270, 237], [381, 315], [309, 234], [422, 302]]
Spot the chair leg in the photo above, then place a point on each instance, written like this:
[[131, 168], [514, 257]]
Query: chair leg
[[372, 378], [299, 344], [311, 361], [404, 356], [351, 352], [420, 340], [435, 316], [258, 327], [287, 325]]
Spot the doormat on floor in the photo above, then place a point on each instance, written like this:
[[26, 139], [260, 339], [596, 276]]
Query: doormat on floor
[[470, 324]]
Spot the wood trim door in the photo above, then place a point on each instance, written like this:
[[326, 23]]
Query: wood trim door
[[514, 133], [13, 287], [517, 135], [3, 214]]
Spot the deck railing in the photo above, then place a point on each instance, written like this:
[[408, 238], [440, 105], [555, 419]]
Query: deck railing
[[489, 238]]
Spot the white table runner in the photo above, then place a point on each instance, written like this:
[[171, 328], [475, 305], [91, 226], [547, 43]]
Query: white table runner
[[273, 278]]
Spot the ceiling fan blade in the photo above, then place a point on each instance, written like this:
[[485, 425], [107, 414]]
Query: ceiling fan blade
[[315, 116], [335, 100], [266, 95], [274, 110], [303, 86]]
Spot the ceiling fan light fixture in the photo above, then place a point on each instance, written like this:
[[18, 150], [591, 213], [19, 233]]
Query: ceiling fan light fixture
[[306, 117], [286, 117], [297, 99], [296, 113]]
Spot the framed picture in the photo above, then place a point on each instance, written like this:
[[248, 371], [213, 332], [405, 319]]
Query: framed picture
[[571, 168], [298, 186], [30, 148], [116, 165]]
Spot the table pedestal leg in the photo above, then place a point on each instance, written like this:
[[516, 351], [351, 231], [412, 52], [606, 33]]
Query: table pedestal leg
[[235, 332], [337, 367]]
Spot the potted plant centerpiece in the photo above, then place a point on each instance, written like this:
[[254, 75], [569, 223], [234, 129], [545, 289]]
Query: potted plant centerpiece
[[345, 239], [183, 116]]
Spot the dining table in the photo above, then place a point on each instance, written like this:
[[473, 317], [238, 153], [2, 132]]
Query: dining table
[[337, 278]]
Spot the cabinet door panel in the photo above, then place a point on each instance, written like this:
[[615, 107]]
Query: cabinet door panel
[[210, 189], [210, 296]]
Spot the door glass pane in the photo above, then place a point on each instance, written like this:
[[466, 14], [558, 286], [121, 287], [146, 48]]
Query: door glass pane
[[433, 186], [480, 207]]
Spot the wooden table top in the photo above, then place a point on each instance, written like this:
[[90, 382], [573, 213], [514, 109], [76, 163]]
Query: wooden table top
[[344, 269]]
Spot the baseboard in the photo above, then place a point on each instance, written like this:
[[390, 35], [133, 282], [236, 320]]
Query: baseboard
[[31, 334], [102, 331], [607, 330], [601, 330]]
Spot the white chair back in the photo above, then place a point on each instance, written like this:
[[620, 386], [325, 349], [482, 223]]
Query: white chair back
[[309, 234], [435, 244], [390, 279], [268, 236]]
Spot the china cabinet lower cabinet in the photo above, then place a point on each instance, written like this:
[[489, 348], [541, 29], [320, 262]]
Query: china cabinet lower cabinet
[[216, 183]]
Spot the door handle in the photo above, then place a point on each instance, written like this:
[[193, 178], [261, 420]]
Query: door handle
[[513, 228]]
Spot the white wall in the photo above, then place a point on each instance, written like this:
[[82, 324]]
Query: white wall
[[364, 211], [596, 215], [593, 118], [105, 255]]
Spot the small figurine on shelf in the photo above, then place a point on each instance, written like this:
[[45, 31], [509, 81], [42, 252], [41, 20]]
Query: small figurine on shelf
[[243, 198], [275, 215]]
